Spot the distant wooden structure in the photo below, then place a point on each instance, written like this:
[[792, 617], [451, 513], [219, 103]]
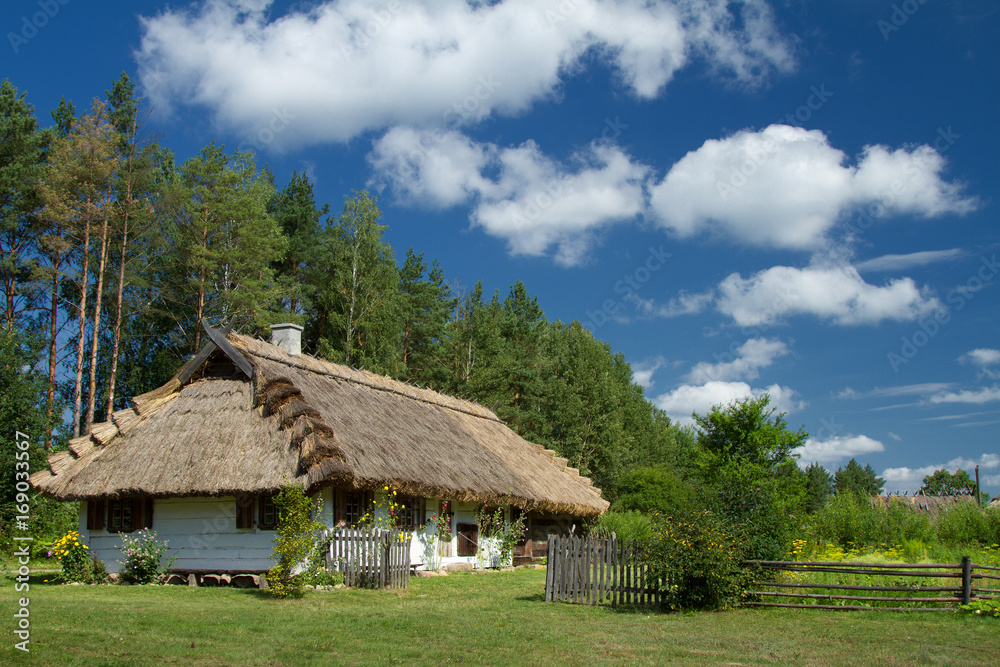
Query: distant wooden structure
[[932, 505]]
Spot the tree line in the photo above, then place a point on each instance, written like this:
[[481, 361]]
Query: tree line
[[112, 253]]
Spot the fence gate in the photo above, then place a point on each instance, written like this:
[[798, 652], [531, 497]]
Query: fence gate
[[595, 570], [374, 558]]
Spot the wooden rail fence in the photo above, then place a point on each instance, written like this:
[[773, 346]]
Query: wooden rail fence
[[370, 558], [594, 570], [963, 582]]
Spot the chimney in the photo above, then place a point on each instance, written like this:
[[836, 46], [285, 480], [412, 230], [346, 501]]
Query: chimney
[[288, 337]]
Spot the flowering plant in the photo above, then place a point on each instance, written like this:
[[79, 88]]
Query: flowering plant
[[74, 556], [143, 553], [442, 523]]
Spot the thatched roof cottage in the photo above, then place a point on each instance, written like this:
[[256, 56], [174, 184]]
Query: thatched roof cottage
[[199, 458]]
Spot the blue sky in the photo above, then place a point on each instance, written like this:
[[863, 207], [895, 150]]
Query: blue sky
[[793, 197]]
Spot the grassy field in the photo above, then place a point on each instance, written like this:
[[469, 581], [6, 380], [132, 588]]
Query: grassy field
[[494, 619]]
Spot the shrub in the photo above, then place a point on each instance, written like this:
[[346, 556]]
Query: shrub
[[294, 542], [965, 523], [851, 520], [651, 490], [628, 525], [696, 558], [74, 556], [143, 555]]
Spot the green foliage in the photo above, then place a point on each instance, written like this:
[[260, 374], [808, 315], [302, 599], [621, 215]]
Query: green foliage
[[627, 525], [294, 542], [22, 409], [745, 458], [819, 487], [696, 558], [294, 209], [497, 536], [862, 482], [427, 305], [981, 608], [356, 319], [143, 561], [745, 432], [652, 489], [74, 556], [849, 520], [943, 483], [965, 523]]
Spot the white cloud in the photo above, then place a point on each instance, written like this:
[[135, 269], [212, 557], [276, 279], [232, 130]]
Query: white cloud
[[828, 291], [681, 402], [911, 479], [895, 437], [981, 357], [343, 67], [642, 372], [902, 262], [787, 187], [978, 397], [838, 448], [683, 304], [518, 194], [920, 389], [746, 363]]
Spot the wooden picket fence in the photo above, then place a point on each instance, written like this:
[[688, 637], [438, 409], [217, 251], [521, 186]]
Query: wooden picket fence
[[597, 570], [952, 584], [372, 558]]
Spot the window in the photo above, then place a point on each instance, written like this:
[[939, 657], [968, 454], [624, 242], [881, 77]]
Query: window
[[353, 507], [95, 514], [410, 513], [126, 515], [244, 512], [267, 513]]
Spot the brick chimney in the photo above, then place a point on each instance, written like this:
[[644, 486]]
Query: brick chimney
[[288, 337]]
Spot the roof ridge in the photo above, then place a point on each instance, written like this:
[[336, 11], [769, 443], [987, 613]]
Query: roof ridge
[[372, 385]]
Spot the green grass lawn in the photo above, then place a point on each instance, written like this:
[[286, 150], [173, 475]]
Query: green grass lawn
[[494, 619]]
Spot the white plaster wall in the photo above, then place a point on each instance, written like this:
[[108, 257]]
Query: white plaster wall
[[200, 531]]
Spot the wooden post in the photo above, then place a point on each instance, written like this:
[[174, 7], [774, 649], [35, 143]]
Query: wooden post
[[966, 580], [549, 567]]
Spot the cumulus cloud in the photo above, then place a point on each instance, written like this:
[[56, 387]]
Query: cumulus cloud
[[744, 364], [836, 449], [343, 67], [983, 358], [910, 260], [911, 479], [642, 372], [517, 193], [831, 292], [787, 187], [976, 397], [688, 398]]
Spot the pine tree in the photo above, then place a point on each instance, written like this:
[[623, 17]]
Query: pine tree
[[427, 305]]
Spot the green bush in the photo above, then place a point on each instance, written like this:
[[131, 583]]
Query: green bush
[[294, 542], [74, 557], [651, 490], [758, 506], [965, 523], [628, 525], [143, 558], [850, 520], [696, 559]]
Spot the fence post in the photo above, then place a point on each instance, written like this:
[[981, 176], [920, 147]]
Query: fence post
[[966, 580], [550, 561]]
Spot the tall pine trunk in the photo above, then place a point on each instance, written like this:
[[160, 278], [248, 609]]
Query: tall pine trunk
[[81, 340], [96, 333], [50, 398]]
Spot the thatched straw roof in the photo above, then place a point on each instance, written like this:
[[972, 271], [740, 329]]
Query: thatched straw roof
[[304, 420], [927, 504]]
